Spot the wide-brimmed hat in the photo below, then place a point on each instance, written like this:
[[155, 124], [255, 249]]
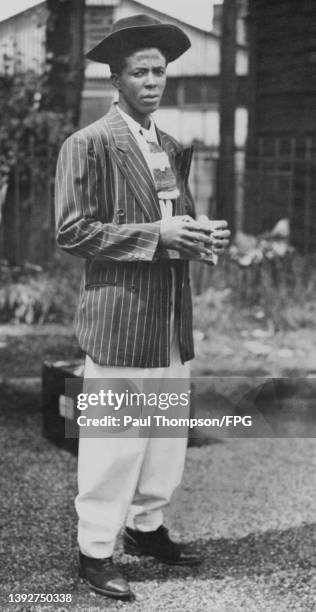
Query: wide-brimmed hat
[[140, 31]]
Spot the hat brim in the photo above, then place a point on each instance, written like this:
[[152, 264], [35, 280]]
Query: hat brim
[[169, 38]]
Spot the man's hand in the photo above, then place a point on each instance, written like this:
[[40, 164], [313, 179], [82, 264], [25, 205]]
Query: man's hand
[[220, 234], [184, 234]]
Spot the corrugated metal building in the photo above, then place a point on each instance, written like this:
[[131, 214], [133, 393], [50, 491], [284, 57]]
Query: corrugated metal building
[[23, 39], [190, 105]]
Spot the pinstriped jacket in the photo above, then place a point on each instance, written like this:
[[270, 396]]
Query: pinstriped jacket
[[107, 212]]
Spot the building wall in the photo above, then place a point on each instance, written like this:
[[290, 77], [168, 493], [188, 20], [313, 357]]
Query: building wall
[[203, 58], [190, 105], [98, 21], [23, 39], [241, 25], [202, 125]]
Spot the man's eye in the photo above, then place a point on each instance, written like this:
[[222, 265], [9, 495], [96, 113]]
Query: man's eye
[[138, 73]]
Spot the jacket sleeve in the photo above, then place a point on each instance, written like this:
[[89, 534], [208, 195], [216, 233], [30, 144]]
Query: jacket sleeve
[[77, 204]]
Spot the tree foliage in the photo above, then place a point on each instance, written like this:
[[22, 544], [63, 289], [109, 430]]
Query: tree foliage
[[27, 133], [37, 113], [30, 138]]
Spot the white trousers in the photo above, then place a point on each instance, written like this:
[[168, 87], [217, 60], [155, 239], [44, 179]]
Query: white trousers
[[126, 479]]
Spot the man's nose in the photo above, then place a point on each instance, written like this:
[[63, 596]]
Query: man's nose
[[151, 80]]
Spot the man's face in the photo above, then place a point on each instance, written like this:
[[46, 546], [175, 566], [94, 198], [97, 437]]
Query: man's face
[[141, 83]]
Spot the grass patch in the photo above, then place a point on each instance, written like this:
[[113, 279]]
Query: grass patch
[[24, 355]]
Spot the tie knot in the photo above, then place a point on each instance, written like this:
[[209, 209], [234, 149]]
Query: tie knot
[[146, 134]]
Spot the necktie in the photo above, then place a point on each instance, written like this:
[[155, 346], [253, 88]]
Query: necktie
[[164, 178]]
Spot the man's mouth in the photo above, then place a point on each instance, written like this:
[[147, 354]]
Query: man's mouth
[[151, 98]]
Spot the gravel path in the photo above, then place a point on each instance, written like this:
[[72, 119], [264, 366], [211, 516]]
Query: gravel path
[[250, 504]]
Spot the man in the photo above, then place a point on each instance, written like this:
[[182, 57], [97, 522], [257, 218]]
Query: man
[[123, 204]]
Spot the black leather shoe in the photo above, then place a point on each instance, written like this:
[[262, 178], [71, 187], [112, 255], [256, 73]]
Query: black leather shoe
[[158, 544], [104, 577]]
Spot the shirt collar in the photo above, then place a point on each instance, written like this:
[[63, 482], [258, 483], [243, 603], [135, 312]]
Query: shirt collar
[[136, 128]]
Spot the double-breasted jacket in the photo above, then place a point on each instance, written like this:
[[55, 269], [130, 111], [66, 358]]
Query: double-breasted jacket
[[108, 213]]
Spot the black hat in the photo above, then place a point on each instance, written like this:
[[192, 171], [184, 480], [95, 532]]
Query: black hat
[[140, 31]]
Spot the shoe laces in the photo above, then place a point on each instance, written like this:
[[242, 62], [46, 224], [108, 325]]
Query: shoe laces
[[104, 563]]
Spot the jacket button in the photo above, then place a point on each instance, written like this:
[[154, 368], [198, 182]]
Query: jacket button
[[121, 212]]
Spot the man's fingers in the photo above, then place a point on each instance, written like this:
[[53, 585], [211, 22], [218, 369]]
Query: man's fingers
[[220, 246], [219, 241], [199, 227], [190, 224], [220, 234], [197, 237], [193, 248], [218, 224]]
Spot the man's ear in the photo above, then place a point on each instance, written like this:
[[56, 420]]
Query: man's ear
[[115, 79]]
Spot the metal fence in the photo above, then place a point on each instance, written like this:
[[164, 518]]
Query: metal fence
[[290, 165], [278, 181]]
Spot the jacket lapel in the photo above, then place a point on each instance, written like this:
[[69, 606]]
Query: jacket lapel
[[131, 162], [133, 165], [180, 162]]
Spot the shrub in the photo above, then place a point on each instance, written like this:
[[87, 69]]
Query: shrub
[[283, 289], [30, 138], [31, 295], [26, 131]]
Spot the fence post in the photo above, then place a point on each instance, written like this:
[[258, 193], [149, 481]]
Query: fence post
[[292, 175], [276, 165], [228, 85], [239, 190], [16, 214], [307, 194], [48, 211]]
